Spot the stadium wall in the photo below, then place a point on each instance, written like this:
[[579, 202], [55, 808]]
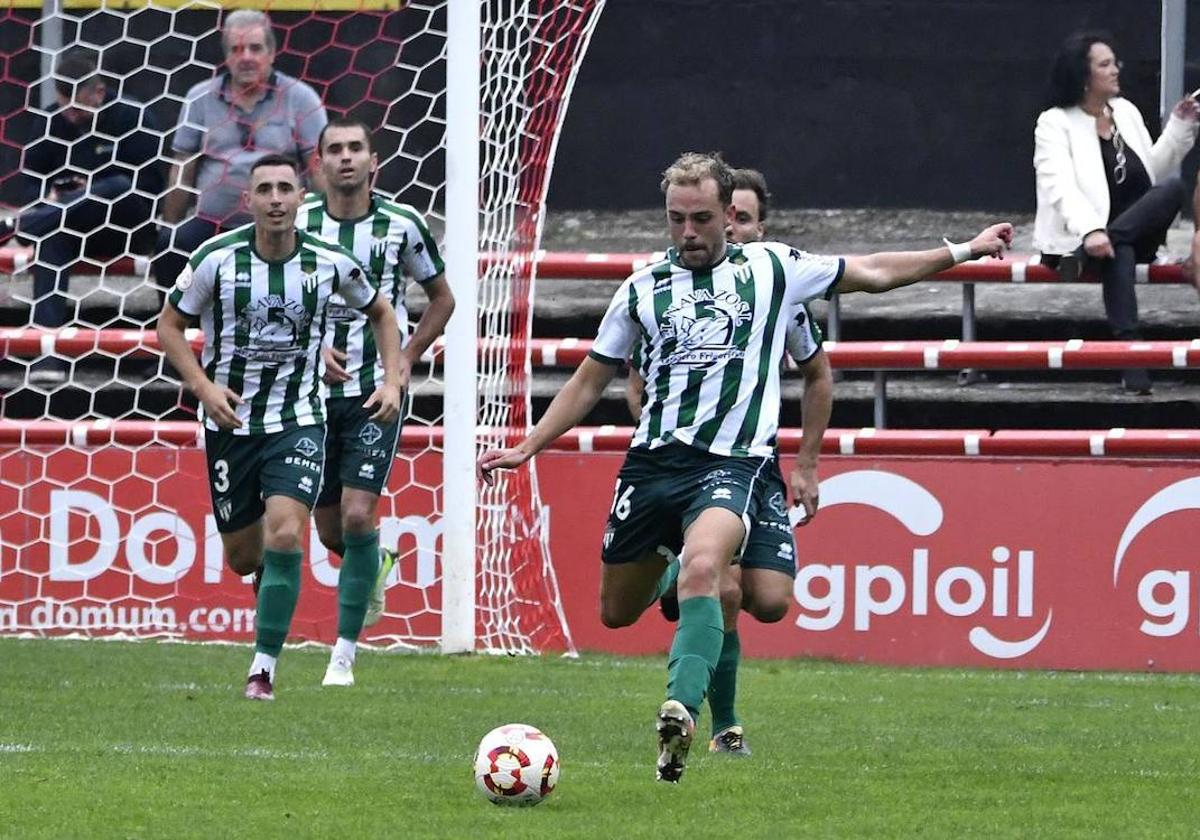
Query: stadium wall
[[921, 103], [1010, 562]]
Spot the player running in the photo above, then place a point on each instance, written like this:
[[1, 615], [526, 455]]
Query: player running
[[393, 242], [261, 292]]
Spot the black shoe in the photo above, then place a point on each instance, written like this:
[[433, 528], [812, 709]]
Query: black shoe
[[668, 604], [1137, 381]]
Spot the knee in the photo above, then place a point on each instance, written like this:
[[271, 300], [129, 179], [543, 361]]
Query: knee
[[614, 616], [285, 535], [358, 520], [242, 562], [768, 612]]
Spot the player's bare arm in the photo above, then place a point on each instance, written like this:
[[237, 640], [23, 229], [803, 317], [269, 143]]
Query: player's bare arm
[[635, 386], [433, 319], [816, 407], [581, 393], [386, 399], [892, 269], [219, 403]]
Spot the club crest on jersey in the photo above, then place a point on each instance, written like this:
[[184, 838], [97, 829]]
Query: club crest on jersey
[[307, 447], [702, 324], [224, 509], [273, 326], [378, 247], [309, 281], [370, 434], [776, 503]]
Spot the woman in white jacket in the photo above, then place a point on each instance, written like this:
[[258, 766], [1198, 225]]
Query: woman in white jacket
[[1105, 193]]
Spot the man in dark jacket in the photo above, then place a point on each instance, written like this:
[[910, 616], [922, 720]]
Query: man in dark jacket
[[98, 178]]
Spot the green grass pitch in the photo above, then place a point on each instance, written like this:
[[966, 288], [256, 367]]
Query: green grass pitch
[[107, 739]]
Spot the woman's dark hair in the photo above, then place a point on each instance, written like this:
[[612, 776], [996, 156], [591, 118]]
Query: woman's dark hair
[[1072, 69]]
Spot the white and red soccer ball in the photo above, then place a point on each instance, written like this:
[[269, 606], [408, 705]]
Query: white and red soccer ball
[[516, 764]]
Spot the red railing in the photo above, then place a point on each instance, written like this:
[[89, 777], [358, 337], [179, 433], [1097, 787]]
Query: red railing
[[1170, 443]]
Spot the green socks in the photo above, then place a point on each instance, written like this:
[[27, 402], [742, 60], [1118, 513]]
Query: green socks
[[277, 597], [669, 576], [723, 691], [695, 651], [360, 565]]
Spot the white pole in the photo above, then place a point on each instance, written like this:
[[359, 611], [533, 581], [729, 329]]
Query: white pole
[[52, 43], [1172, 43], [462, 271]]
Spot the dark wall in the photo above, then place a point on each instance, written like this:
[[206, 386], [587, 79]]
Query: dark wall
[[895, 103]]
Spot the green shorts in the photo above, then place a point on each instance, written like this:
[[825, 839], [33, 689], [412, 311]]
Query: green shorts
[[660, 492], [358, 451], [772, 543], [244, 470]]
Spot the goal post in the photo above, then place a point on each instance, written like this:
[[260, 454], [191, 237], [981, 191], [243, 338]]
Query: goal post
[[102, 532], [462, 392]]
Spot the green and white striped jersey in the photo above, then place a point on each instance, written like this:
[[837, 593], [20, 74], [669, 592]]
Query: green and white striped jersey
[[263, 322], [394, 243], [712, 340]]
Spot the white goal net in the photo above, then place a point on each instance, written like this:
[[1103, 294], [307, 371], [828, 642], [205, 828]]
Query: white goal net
[[105, 520]]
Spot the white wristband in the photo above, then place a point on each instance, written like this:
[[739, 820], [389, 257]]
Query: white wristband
[[960, 252]]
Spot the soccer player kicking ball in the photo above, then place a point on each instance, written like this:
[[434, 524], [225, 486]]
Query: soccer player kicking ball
[[260, 293], [712, 322], [392, 241], [760, 581]]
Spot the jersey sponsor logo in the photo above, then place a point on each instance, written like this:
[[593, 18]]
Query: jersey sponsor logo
[[662, 284], [702, 324], [242, 278], [273, 326], [307, 447], [184, 281], [370, 434]]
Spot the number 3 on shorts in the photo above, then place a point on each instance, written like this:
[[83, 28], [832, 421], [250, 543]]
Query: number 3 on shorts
[[622, 503], [221, 471]]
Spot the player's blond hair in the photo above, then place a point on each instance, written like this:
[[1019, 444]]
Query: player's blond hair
[[692, 168]]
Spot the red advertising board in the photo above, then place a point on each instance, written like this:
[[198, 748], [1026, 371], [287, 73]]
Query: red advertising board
[[1081, 563]]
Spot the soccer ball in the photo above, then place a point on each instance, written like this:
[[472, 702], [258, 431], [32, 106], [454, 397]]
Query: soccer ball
[[516, 765]]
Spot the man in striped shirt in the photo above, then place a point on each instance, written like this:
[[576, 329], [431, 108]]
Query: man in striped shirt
[[711, 319], [261, 293], [760, 582], [394, 244]]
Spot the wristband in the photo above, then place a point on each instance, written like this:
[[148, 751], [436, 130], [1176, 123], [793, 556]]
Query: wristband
[[960, 252]]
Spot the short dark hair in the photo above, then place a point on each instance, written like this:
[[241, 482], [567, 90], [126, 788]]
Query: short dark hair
[[693, 167], [752, 179], [1072, 69], [75, 69], [345, 122], [275, 159]]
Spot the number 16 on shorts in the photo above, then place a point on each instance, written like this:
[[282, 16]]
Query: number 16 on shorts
[[622, 501]]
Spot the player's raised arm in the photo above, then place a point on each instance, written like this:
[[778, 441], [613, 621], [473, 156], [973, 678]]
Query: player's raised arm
[[569, 407], [892, 269]]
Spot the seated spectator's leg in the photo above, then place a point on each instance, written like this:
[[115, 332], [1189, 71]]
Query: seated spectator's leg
[[1120, 294], [51, 279], [1144, 224], [174, 251]]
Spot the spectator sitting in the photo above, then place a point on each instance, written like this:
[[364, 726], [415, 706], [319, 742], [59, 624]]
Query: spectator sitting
[[228, 123], [1105, 193], [98, 177]]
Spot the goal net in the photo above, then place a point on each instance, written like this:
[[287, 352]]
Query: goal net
[[105, 520]]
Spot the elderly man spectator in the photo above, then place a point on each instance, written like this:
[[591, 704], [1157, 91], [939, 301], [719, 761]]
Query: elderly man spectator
[[93, 178], [229, 122]]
